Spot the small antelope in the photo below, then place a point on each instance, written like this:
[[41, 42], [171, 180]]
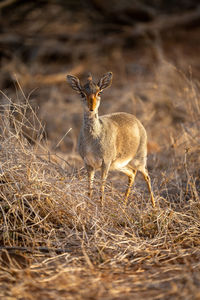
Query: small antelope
[[116, 141]]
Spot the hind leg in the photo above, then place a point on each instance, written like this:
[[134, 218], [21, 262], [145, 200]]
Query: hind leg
[[148, 181], [131, 173]]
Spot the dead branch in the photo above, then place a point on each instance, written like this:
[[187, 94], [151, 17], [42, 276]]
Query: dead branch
[[7, 3], [163, 23]]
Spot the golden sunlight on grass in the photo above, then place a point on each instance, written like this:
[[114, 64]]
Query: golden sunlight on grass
[[56, 243]]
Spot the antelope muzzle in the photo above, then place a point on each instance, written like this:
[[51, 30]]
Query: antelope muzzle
[[92, 102]]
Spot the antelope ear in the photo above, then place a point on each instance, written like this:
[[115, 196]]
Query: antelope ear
[[74, 83], [105, 81]]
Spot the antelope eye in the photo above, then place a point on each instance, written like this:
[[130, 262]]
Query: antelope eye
[[82, 95], [99, 93]]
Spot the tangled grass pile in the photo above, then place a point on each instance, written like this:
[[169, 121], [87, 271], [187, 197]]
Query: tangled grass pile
[[56, 243]]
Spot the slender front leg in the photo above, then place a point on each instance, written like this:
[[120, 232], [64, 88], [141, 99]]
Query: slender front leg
[[148, 181], [104, 174], [90, 171]]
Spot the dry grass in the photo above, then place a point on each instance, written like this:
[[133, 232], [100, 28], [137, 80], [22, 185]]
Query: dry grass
[[56, 243]]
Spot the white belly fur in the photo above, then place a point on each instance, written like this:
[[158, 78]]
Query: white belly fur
[[120, 164]]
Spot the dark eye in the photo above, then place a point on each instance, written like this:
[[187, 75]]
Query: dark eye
[[82, 95], [99, 93]]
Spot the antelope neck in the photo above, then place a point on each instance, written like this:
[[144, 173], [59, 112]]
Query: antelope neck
[[91, 123]]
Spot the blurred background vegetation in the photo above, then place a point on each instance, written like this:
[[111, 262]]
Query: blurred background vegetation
[[152, 47], [143, 42]]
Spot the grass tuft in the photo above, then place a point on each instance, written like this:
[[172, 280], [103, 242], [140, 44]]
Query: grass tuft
[[56, 243]]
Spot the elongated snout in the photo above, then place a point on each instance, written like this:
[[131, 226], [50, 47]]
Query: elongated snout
[[92, 102]]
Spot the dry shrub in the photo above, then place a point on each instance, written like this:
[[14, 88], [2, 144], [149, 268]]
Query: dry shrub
[[56, 243]]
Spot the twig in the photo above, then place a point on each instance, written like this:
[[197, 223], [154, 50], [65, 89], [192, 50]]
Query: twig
[[40, 249]]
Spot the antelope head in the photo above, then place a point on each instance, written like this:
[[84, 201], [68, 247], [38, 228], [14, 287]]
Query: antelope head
[[90, 92]]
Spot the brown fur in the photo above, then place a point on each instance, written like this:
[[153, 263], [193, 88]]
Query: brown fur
[[116, 141]]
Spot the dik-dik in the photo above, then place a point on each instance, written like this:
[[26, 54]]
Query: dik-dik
[[116, 141]]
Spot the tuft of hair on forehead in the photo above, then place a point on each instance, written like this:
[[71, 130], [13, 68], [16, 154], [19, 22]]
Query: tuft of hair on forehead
[[89, 78], [90, 87]]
